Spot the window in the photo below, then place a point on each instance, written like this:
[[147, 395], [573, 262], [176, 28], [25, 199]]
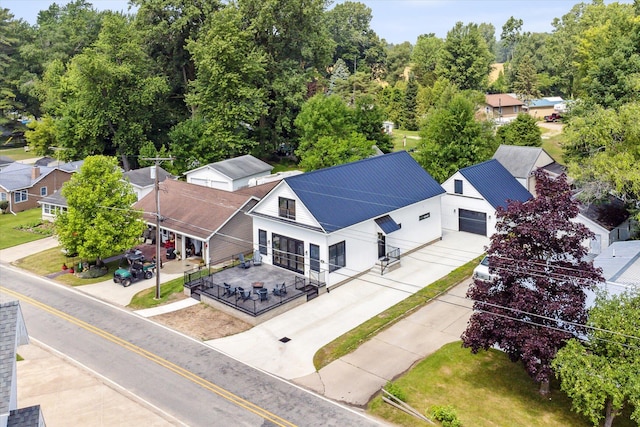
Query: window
[[424, 216], [457, 186], [20, 196], [3, 196], [47, 209], [262, 241], [287, 208], [43, 191], [337, 258]]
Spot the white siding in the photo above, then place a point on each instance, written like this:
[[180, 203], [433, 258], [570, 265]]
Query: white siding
[[361, 240], [207, 177], [467, 189], [269, 206], [451, 205]]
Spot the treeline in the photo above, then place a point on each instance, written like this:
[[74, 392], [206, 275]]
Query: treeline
[[206, 80]]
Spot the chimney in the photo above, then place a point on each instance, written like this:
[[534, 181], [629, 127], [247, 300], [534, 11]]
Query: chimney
[[152, 171], [35, 172]]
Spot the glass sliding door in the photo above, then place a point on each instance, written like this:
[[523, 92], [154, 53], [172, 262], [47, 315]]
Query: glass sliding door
[[288, 253]]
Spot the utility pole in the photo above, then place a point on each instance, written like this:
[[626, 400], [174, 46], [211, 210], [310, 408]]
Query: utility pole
[[156, 187]]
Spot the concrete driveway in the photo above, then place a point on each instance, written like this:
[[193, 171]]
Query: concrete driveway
[[313, 325]]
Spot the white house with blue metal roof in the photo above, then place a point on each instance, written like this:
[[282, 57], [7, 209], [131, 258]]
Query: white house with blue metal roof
[[333, 224], [474, 194]]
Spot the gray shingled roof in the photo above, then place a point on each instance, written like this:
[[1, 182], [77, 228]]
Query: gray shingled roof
[[56, 199], [25, 417], [518, 160], [240, 167], [142, 177]]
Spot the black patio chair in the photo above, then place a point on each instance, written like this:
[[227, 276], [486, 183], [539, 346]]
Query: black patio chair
[[243, 263], [228, 290], [243, 293], [280, 290]]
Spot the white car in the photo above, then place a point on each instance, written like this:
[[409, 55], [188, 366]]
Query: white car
[[481, 272]]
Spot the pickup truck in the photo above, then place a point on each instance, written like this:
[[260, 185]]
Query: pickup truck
[[554, 117]]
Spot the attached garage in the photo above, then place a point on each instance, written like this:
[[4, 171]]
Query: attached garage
[[472, 222]]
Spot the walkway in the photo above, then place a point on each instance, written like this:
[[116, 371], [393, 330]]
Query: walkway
[[316, 323]]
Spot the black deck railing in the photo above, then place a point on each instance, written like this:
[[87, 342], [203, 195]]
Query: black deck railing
[[392, 256]]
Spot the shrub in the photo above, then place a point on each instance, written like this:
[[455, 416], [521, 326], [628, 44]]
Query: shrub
[[396, 391], [446, 415], [4, 205]]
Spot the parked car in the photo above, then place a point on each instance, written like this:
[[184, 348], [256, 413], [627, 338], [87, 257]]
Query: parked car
[[554, 117], [481, 272]]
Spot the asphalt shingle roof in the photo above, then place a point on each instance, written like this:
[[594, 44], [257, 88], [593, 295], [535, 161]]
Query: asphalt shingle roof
[[518, 160], [494, 182], [25, 417], [238, 167], [9, 316], [344, 195], [142, 177]]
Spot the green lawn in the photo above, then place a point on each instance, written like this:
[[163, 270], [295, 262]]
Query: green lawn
[[146, 298], [485, 389], [348, 342], [11, 236], [553, 146], [17, 153], [398, 139]]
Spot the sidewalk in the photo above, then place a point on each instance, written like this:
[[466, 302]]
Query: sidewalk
[[316, 323]]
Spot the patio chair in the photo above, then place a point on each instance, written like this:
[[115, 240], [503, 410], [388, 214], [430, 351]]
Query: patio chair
[[243, 263], [257, 258], [280, 290], [228, 290], [243, 293]]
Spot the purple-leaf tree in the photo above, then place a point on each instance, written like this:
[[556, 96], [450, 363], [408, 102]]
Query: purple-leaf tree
[[535, 301]]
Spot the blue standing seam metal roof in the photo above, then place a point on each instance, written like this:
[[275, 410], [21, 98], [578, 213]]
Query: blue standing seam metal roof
[[344, 195], [494, 182], [387, 224]]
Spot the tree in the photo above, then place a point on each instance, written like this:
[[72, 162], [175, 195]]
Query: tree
[[99, 221], [329, 134], [368, 118], [8, 50], [409, 120], [600, 373], [228, 93], [526, 82], [338, 82], [511, 35], [398, 59], [536, 302], [465, 58], [107, 95], [424, 58], [522, 131], [451, 138]]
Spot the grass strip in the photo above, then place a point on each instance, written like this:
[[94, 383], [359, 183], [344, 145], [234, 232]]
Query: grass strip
[[348, 342], [10, 232], [146, 298]]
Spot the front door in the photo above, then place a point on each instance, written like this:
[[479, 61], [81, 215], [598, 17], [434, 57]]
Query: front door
[[314, 257], [382, 245]]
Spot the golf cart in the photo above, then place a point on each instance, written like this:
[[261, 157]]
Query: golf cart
[[133, 267]]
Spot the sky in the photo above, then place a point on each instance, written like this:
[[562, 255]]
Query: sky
[[397, 21]]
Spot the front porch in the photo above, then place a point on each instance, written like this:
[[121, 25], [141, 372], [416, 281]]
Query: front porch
[[248, 293]]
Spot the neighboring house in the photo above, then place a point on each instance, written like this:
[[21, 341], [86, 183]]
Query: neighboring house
[[609, 220], [620, 264], [5, 161], [336, 223], [474, 194], [142, 180], [208, 222], [538, 108], [24, 185], [502, 105], [13, 333], [521, 162], [230, 174], [51, 205]]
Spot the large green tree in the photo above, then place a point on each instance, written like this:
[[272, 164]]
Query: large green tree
[[451, 138], [228, 95], [465, 58], [99, 221], [600, 373], [424, 58], [108, 94], [524, 130], [329, 134]]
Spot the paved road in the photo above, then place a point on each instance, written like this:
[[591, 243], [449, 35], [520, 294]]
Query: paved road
[[190, 381]]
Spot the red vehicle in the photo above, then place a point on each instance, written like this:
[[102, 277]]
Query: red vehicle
[[554, 117]]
